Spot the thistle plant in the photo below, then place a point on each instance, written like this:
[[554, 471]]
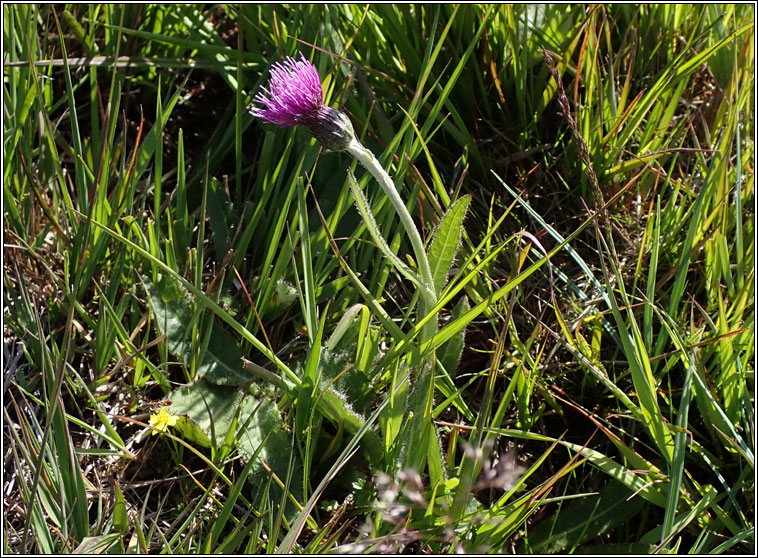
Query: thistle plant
[[294, 97]]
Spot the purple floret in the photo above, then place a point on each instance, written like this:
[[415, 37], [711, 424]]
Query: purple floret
[[294, 93]]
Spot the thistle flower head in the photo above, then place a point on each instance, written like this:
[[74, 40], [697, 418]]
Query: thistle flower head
[[294, 96]]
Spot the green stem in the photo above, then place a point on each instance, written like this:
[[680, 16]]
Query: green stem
[[367, 159], [428, 296]]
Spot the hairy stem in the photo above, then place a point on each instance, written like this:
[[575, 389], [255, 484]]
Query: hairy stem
[[427, 294]]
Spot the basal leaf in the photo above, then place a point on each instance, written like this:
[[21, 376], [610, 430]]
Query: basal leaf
[[260, 423], [209, 412], [172, 311], [209, 407]]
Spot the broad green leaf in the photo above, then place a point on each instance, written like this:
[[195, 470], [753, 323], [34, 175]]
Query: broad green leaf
[[339, 373], [261, 423], [446, 240], [210, 413], [209, 407], [172, 310]]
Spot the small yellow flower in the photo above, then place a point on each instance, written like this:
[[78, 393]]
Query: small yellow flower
[[162, 420]]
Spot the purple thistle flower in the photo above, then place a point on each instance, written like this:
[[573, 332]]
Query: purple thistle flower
[[294, 96], [294, 93]]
